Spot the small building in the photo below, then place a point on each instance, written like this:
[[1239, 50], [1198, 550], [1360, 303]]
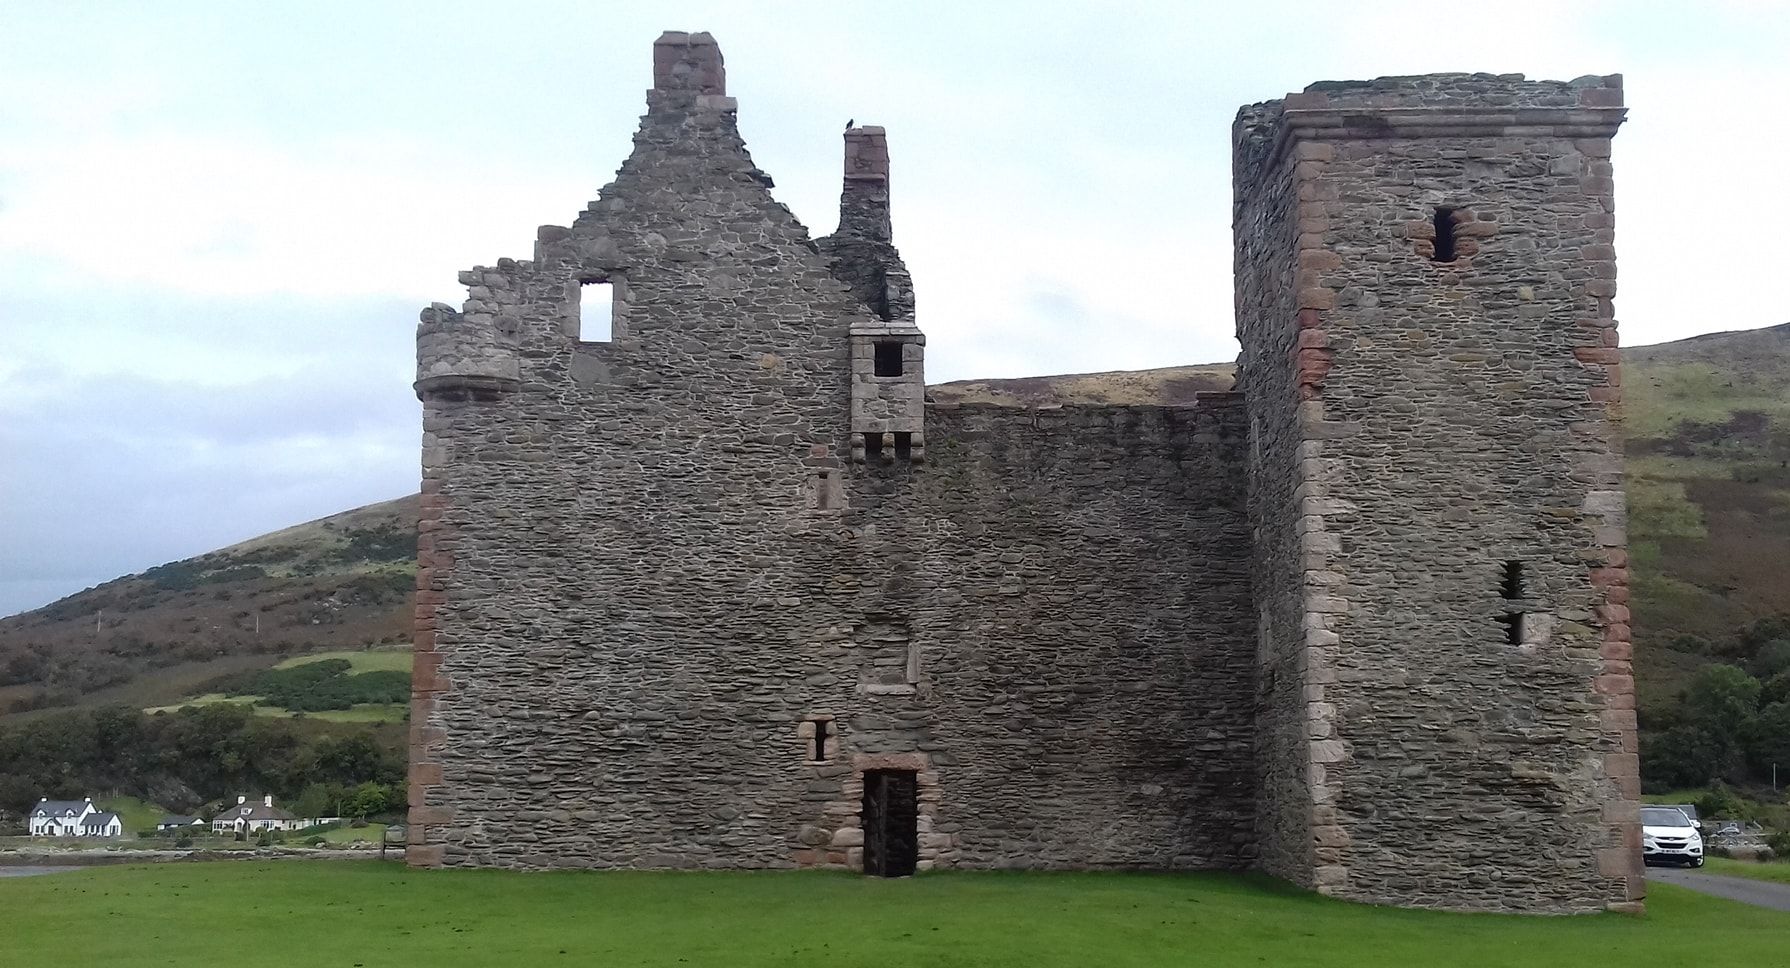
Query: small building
[[102, 824], [179, 822], [251, 818], [59, 818]]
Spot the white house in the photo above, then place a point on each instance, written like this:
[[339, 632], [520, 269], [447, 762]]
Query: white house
[[59, 818], [183, 823], [253, 817], [102, 825]]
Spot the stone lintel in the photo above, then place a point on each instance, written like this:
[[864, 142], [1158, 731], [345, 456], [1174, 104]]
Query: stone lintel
[[903, 330]]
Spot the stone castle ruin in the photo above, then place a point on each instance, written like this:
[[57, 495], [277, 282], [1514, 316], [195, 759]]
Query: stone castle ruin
[[717, 587]]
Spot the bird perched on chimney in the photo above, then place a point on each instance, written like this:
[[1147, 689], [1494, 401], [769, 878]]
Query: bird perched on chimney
[[851, 123]]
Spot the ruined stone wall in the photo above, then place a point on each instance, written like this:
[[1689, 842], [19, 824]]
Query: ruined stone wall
[[652, 570], [1363, 626], [606, 530], [1461, 487], [1266, 224], [1076, 580]]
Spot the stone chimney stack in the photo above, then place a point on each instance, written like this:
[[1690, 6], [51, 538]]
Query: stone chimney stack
[[864, 202], [688, 62], [240, 799]]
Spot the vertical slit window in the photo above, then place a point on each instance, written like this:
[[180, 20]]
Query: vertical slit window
[[1512, 586], [1511, 589], [1444, 235]]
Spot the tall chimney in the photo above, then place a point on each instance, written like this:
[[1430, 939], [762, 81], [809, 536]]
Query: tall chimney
[[688, 62], [240, 799], [267, 801], [864, 202]]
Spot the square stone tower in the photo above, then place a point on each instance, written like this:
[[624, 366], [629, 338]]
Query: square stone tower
[[1424, 272]]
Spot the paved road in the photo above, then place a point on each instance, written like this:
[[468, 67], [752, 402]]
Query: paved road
[[1766, 894]]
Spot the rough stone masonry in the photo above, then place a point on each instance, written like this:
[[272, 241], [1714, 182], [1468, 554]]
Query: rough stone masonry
[[706, 582]]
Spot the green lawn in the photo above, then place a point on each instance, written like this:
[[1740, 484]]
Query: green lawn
[[371, 833], [136, 815], [1776, 870], [377, 915], [359, 660]]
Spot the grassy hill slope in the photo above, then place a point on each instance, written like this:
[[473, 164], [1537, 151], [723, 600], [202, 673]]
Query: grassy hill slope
[[1708, 440], [1708, 422], [341, 582]]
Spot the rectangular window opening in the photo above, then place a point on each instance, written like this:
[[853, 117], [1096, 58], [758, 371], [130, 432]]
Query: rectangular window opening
[[888, 358], [904, 445], [1444, 235], [596, 312], [873, 446], [823, 490], [823, 730], [1512, 586], [1513, 627]]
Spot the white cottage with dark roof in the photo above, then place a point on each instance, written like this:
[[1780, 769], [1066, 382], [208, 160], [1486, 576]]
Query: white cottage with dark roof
[[248, 817], [102, 824], [62, 818]]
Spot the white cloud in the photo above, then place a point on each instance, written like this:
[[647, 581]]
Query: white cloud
[[216, 224]]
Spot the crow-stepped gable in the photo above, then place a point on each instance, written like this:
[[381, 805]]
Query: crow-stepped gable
[[706, 582]]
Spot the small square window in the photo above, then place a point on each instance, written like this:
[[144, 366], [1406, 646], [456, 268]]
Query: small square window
[[888, 358]]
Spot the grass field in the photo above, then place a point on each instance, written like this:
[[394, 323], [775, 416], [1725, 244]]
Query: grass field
[[372, 833], [363, 713], [136, 815], [1777, 870], [359, 660], [381, 915]]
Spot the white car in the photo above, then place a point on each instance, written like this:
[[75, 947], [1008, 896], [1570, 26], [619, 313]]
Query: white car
[[1670, 837]]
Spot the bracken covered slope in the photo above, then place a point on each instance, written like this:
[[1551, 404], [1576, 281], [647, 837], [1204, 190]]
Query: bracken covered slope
[[1708, 423]]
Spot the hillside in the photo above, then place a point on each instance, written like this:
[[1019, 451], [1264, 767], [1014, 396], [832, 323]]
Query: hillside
[[341, 582], [1708, 440], [1708, 421]]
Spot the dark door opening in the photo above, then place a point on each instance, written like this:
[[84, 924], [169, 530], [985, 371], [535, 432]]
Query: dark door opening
[[891, 830]]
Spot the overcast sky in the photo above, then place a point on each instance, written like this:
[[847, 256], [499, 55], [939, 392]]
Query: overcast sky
[[218, 220]]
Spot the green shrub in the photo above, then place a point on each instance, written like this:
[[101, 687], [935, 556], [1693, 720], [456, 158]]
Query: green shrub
[[316, 686]]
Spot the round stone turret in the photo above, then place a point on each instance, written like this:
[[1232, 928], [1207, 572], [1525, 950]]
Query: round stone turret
[[462, 357]]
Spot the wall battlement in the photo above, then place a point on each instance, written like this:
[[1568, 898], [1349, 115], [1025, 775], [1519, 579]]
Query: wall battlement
[[705, 581]]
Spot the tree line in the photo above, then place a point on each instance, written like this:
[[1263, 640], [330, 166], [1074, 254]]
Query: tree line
[[192, 756], [1732, 721], [316, 686]]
